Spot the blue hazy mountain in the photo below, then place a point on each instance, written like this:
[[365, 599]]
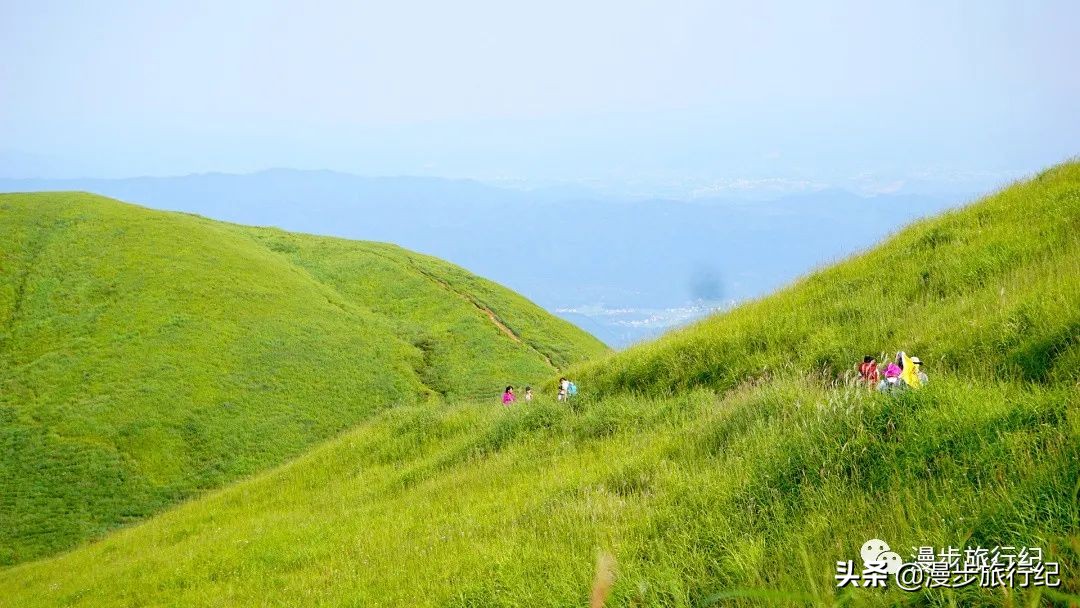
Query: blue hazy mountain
[[622, 270]]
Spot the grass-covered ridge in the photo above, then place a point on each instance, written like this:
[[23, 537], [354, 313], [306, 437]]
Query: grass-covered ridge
[[988, 291], [718, 466], [147, 355]]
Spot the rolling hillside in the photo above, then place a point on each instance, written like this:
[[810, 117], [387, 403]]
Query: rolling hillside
[[146, 356], [731, 463]]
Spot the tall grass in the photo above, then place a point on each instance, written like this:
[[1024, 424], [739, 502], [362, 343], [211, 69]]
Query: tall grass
[[747, 498]]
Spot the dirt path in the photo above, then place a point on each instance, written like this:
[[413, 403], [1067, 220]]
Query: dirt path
[[487, 311], [491, 315], [495, 320]]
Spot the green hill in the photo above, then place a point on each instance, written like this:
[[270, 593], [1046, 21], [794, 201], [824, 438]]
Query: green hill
[[730, 463], [145, 356], [984, 292]]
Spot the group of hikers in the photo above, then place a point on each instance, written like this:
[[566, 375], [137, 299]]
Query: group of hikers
[[904, 372], [567, 389]]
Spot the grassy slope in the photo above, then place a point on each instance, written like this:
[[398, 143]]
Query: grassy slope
[[764, 488], [741, 470], [985, 291], [145, 355]]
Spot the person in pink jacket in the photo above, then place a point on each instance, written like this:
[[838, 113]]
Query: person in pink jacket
[[892, 377], [508, 395], [892, 370]]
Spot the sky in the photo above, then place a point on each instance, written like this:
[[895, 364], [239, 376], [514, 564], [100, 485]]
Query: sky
[[683, 99]]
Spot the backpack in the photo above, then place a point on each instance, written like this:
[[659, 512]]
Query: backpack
[[572, 389]]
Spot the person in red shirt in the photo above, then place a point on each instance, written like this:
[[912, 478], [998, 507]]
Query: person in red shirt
[[868, 371], [508, 395]]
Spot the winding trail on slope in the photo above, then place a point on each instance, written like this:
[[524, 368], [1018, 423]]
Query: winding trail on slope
[[495, 320]]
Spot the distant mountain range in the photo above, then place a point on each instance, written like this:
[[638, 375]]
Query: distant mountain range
[[623, 270]]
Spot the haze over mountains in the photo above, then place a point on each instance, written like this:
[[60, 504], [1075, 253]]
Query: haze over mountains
[[622, 269]]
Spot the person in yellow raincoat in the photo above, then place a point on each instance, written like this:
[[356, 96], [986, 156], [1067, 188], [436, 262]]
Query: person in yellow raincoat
[[909, 374]]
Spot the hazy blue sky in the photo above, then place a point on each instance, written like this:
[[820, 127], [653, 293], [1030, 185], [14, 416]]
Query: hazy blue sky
[[678, 98]]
